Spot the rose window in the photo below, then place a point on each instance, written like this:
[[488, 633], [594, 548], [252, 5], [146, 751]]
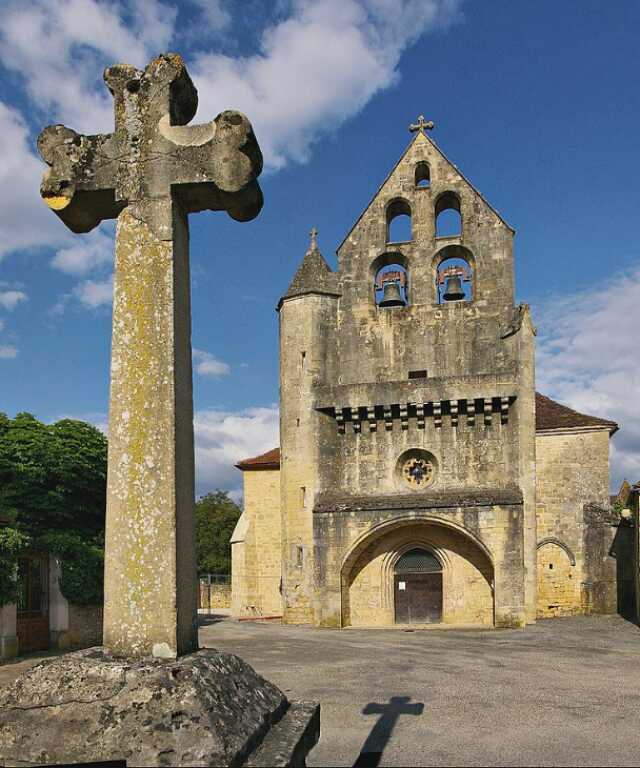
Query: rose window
[[418, 471]]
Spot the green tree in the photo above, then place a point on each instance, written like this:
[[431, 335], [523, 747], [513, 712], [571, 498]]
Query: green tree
[[216, 517], [53, 491], [53, 477]]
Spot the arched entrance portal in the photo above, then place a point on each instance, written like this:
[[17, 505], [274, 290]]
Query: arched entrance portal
[[418, 588], [447, 575]]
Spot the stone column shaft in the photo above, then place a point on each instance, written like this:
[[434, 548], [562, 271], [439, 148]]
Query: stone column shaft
[[150, 569]]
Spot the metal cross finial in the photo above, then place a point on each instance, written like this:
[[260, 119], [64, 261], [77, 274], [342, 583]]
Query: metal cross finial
[[422, 125], [314, 239]]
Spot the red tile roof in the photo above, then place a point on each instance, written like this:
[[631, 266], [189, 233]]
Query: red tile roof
[[552, 415], [549, 415], [268, 460]]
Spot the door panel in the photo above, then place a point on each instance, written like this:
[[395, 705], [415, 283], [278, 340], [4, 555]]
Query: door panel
[[33, 603], [418, 598]]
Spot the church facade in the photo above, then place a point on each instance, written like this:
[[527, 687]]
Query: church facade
[[420, 479]]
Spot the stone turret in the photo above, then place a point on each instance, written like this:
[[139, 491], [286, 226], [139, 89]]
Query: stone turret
[[308, 313]]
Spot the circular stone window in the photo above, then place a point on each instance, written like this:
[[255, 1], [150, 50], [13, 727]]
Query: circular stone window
[[417, 469]]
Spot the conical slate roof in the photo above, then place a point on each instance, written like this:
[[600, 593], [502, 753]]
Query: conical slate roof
[[313, 276]]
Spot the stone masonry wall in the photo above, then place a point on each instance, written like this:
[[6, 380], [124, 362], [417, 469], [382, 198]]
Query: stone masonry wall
[[349, 546], [342, 358], [572, 470], [261, 566]]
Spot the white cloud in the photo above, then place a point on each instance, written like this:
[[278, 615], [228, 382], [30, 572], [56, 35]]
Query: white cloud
[[25, 221], [316, 68], [222, 439], [10, 299], [88, 252], [7, 352], [206, 364], [214, 14], [588, 358], [225, 437], [60, 49], [94, 293]]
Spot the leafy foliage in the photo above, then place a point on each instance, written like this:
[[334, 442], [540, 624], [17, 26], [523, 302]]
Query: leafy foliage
[[53, 477], [82, 565], [53, 490], [216, 517], [12, 542]]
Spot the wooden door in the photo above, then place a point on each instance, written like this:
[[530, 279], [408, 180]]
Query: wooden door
[[418, 598], [33, 603]]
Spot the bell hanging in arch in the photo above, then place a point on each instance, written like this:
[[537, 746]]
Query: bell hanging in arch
[[392, 297], [453, 290]]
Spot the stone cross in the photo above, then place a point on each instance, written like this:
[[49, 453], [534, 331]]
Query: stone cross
[[150, 173], [422, 125], [314, 239]]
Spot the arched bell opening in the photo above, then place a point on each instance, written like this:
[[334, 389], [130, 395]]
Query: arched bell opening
[[422, 175], [390, 281], [454, 275], [372, 570], [448, 215], [399, 227]]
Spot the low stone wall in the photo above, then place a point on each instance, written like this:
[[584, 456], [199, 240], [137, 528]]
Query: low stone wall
[[215, 596], [84, 631]]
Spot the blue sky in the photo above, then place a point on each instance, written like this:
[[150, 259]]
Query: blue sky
[[537, 103]]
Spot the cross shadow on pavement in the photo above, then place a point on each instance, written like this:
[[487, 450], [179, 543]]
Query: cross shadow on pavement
[[373, 747]]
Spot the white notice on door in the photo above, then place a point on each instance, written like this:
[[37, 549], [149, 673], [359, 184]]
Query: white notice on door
[[401, 585]]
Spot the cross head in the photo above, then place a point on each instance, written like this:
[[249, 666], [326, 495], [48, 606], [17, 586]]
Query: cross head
[[152, 155], [422, 125]]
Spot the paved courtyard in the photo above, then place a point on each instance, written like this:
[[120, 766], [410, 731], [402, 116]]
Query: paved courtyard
[[564, 692]]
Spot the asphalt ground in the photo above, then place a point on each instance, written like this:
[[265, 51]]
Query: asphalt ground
[[563, 692]]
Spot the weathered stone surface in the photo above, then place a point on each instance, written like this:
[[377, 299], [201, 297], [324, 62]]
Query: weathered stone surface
[[208, 708], [365, 387], [150, 173]]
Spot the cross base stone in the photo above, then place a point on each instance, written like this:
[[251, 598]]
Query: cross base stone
[[204, 709]]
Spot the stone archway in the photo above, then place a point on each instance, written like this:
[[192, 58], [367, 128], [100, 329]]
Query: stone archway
[[558, 583], [369, 583]]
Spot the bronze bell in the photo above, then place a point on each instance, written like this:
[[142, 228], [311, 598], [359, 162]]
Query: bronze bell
[[454, 290], [392, 296]]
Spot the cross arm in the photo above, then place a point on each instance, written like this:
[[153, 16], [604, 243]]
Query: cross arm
[[79, 184], [215, 165]]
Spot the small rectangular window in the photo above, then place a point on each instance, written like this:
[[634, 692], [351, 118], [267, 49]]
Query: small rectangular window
[[303, 360], [303, 496], [299, 556], [417, 374]]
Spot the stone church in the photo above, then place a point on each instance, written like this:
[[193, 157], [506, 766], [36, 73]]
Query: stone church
[[420, 478]]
